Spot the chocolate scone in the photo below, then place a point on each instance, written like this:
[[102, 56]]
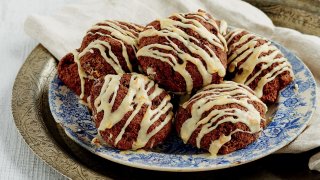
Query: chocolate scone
[[184, 52], [109, 47], [221, 118], [130, 111], [255, 62]]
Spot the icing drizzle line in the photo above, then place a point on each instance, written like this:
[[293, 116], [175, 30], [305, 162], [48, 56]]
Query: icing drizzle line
[[137, 96], [225, 93], [172, 29], [247, 49], [119, 32]]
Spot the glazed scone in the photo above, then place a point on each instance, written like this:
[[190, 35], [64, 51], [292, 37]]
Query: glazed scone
[[109, 47], [255, 62], [221, 118], [184, 52], [130, 111]]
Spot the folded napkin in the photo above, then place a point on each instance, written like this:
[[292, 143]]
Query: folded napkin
[[63, 32]]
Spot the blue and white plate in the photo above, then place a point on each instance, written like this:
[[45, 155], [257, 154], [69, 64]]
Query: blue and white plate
[[290, 116]]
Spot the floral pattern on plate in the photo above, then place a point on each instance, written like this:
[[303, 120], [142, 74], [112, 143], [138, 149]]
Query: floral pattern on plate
[[290, 116]]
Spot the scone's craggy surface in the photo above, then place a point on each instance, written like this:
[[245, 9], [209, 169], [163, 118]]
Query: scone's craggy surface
[[109, 47], [131, 111], [221, 118], [255, 62], [184, 52]]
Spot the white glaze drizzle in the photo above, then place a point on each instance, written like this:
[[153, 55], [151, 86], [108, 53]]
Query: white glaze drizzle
[[170, 29], [118, 32], [245, 49], [215, 95], [137, 95], [81, 72]]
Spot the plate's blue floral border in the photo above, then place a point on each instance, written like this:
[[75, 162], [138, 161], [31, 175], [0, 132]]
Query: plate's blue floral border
[[290, 117]]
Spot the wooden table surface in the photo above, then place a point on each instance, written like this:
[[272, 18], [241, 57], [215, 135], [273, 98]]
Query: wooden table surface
[[17, 161]]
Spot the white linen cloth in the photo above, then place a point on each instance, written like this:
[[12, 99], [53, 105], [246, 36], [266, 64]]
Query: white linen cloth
[[63, 32]]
